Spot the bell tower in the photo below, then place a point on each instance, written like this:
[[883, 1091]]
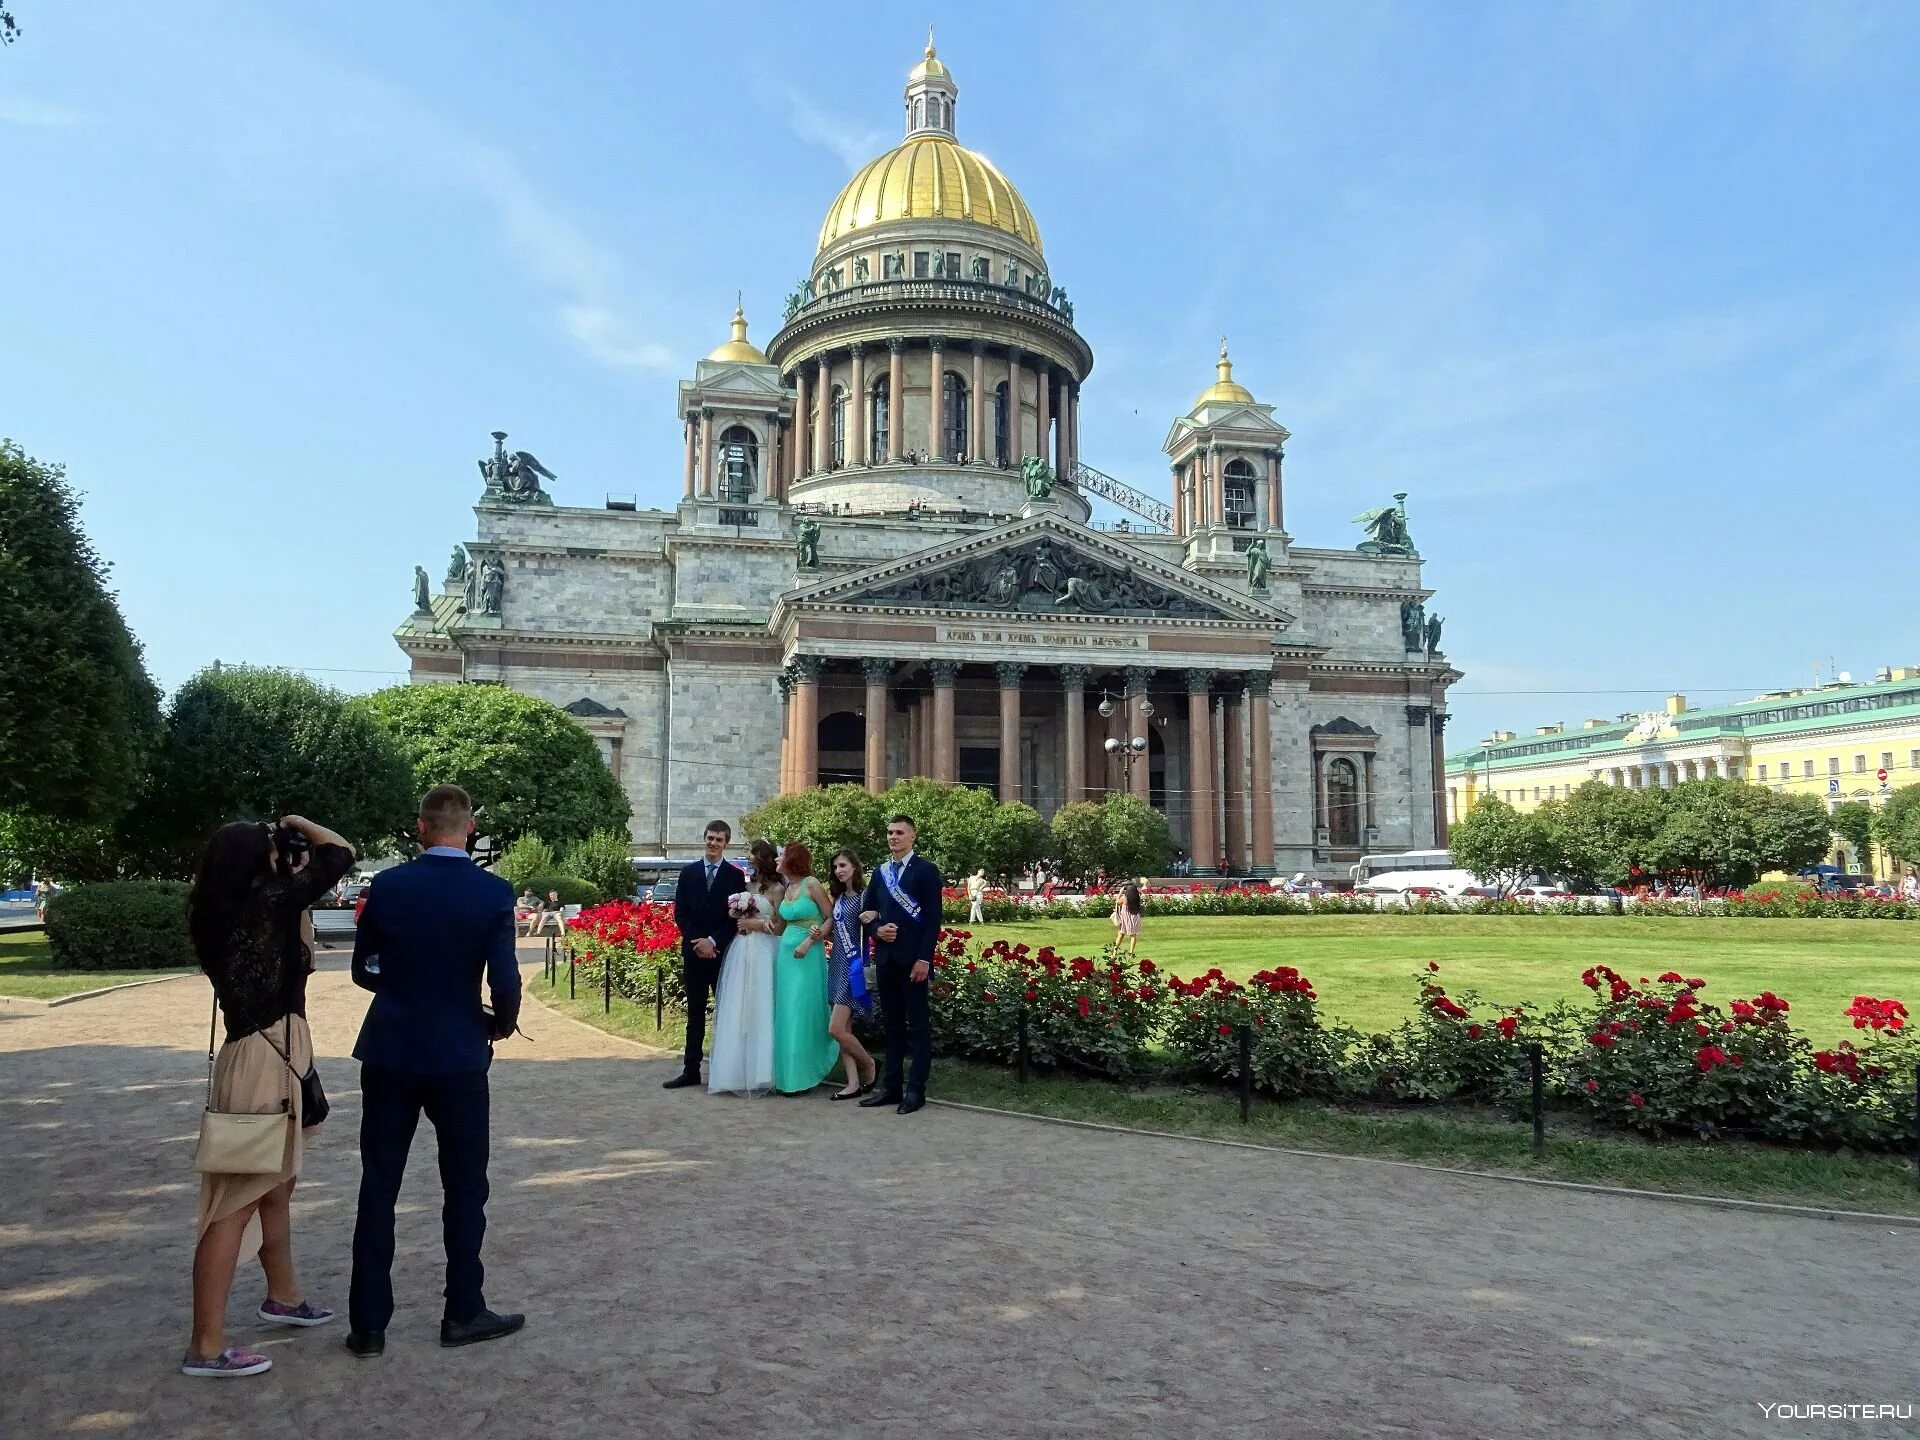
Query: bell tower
[[930, 96], [1226, 454], [738, 419]]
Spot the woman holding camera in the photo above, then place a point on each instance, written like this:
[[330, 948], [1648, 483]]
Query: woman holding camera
[[244, 915]]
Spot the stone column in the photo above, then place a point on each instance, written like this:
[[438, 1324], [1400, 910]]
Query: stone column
[[1042, 409], [1233, 776], [1015, 448], [1273, 489], [1205, 849], [1179, 502], [802, 425], [1260, 732], [1139, 774], [1070, 399], [690, 433], [823, 416], [862, 411], [1217, 487], [786, 732], [977, 443], [1366, 779], [806, 721], [706, 454], [879, 701], [1073, 720], [1009, 673], [1438, 722], [937, 398], [914, 765], [896, 394], [1197, 493], [770, 461], [1063, 430], [946, 753]]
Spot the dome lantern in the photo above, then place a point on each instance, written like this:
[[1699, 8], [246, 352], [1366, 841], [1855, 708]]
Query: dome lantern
[[739, 349], [1225, 390], [930, 95]]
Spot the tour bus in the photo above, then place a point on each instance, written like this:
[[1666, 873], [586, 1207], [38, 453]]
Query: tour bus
[[1412, 869]]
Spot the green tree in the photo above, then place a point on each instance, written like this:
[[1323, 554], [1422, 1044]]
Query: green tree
[[1604, 832], [1791, 832], [1136, 838], [837, 817], [245, 742], [1080, 839], [1853, 822], [603, 861], [1016, 837], [528, 767], [78, 714], [1896, 825], [523, 859], [1501, 847]]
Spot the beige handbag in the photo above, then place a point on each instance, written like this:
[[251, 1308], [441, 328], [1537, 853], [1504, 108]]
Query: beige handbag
[[243, 1144]]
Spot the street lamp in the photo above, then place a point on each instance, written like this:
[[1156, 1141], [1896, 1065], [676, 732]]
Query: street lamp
[[1134, 748]]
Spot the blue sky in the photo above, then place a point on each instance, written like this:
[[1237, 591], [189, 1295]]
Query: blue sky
[[1626, 295]]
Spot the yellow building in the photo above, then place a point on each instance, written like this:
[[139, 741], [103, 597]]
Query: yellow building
[[1840, 742]]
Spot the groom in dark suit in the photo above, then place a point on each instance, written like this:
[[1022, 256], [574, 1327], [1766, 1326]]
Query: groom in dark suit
[[706, 928], [902, 905]]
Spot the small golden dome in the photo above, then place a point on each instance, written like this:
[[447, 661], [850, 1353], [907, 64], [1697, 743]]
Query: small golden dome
[[738, 348], [929, 67], [1225, 390], [929, 177]]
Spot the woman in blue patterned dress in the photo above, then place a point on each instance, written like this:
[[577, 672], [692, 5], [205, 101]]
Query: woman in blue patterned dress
[[846, 980]]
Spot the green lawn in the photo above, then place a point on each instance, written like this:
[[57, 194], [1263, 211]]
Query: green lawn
[[1359, 964], [26, 968]]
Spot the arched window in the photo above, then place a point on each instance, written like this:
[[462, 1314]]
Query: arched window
[[953, 402], [837, 427], [880, 416], [1001, 446], [1239, 488], [919, 113], [739, 463], [1343, 804], [841, 738]]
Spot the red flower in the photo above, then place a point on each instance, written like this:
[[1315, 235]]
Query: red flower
[[1709, 1056], [1086, 1007], [1433, 964], [1600, 1038], [1696, 984], [1033, 995], [1636, 1100], [987, 995], [1226, 1029], [1880, 1014], [1592, 1086], [1473, 1032], [1672, 977], [1147, 967], [1506, 1025]]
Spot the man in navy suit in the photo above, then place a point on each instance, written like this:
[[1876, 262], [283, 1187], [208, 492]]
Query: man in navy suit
[[904, 899], [706, 927], [430, 929]]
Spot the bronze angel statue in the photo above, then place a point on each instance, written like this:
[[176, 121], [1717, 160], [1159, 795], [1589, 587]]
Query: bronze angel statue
[[1387, 529], [515, 477]]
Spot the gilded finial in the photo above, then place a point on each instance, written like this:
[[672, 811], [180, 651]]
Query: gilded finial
[[929, 40]]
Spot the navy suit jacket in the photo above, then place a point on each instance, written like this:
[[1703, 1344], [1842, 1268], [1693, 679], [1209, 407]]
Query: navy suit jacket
[[701, 913], [922, 885], [434, 926]]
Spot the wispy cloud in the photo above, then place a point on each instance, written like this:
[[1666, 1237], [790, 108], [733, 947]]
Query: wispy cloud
[[854, 144], [19, 110]]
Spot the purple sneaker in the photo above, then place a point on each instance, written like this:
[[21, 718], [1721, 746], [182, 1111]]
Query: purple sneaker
[[305, 1313], [233, 1360]]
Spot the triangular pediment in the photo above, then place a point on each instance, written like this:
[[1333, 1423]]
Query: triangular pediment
[[1042, 566], [736, 377], [1228, 422]]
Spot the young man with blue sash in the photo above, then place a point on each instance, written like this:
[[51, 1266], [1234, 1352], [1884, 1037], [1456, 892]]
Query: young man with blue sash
[[902, 909]]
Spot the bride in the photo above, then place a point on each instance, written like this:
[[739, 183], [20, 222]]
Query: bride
[[742, 1058]]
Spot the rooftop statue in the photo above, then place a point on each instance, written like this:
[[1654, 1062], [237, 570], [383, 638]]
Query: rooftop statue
[[1387, 530], [1413, 624], [807, 539], [421, 593], [457, 566], [514, 478], [1037, 476], [1434, 622], [1259, 563], [493, 584]]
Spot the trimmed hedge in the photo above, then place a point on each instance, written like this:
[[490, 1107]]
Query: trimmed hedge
[[573, 890], [121, 925]]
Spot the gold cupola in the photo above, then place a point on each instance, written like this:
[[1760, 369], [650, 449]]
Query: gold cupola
[[739, 349], [929, 176], [1225, 390]]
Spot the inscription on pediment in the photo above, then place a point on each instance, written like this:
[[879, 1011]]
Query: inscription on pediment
[[1043, 578]]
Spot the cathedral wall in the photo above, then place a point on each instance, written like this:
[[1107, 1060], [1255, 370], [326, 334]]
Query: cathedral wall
[[1352, 627], [731, 579], [1292, 780], [723, 734], [589, 595]]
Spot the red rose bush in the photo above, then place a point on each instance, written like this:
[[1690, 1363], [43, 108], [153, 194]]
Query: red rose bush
[[637, 940]]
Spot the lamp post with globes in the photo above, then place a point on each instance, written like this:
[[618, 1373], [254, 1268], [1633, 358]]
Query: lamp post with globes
[[1134, 747]]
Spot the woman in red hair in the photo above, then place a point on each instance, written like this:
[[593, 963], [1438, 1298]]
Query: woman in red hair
[[803, 1050]]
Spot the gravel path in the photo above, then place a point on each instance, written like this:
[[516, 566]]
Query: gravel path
[[786, 1267]]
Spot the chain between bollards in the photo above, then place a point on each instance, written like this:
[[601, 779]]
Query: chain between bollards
[[1536, 1065], [1023, 1045], [1246, 1074]]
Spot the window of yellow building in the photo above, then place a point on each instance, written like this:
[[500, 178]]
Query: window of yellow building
[[1859, 764], [1806, 768], [1833, 764]]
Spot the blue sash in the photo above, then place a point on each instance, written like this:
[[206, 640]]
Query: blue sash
[[850, 948], [889, 876]]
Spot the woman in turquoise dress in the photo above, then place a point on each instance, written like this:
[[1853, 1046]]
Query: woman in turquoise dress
[[803, 1051]]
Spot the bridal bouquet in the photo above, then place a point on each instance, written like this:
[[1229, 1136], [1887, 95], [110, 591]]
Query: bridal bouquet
[[744, 904]]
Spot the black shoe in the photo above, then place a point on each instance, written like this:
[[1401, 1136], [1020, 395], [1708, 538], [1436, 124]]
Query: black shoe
[[366, 1344], [879, 1098], [681, 1081], [913, 1101], [484, 1326]]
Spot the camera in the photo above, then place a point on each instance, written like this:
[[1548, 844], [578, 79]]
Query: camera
[[290, 848]]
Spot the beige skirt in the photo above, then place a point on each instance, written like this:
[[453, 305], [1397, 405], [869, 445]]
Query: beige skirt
[[250, 1078]]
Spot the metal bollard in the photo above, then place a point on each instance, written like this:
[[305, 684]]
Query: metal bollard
[[1916, 1122], [606, 985], [1023, 1045], [1536, 1064], [1246, 1074], [571, 969], [659, 999]]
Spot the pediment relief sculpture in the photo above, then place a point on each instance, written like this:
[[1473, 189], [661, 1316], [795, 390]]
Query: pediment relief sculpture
[[1043, 577]]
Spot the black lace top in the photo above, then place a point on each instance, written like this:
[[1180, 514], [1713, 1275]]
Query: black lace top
[[262, 974]]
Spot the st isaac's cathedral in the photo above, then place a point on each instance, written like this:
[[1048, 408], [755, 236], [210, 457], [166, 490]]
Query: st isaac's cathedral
[[883, 564]]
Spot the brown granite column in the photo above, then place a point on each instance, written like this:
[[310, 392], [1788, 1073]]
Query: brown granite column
[[1273, 489], [823, 415], [806, 721], [937, 396], [946, 753], [1139, 773], [1073, 724], [1438, 721], [977, 443], [879, 703], [1217, 487], [1200, 768], [802, 425], [1042, 409], [1016, 447], [690, 434], [862, 411], [1009, 673], [1260, 731], [1233, 776], [786, 732], [896, 395], [706, 454]]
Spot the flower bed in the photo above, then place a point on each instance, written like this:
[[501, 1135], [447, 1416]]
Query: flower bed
[[638, 940]]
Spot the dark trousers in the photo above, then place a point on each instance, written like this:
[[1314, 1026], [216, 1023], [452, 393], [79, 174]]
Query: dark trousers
[[903, 1004], [701, 976], [390, 1106]]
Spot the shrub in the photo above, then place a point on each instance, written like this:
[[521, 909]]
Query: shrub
[[601, 860], [573, 890], [523, 859], [1292, 1052], [1447, 1051], [121, 925], [638, 940]]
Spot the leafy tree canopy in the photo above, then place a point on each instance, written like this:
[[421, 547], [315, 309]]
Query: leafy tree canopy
[[528, 767], [1501, 847], [836, 817], [1896, 825], [602, 861], [1853, 822], [1135, 836], [77, 711], [1605, 832]]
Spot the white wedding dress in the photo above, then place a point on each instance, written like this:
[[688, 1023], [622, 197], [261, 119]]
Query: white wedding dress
[[742, 1058]]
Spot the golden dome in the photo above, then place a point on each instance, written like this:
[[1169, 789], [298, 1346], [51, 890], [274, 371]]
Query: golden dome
[[929, 67], [929, 177], [1225, 390], [738, 349]]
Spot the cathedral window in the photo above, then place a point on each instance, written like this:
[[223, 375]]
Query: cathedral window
[[882, 445], [922, 264], [1002, 449], [739, 463], [953, 265], [1343, 804], [953, 402], [1239, 495], [837, 427]]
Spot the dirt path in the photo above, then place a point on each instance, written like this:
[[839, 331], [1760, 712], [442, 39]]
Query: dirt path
[[786, 1267]]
